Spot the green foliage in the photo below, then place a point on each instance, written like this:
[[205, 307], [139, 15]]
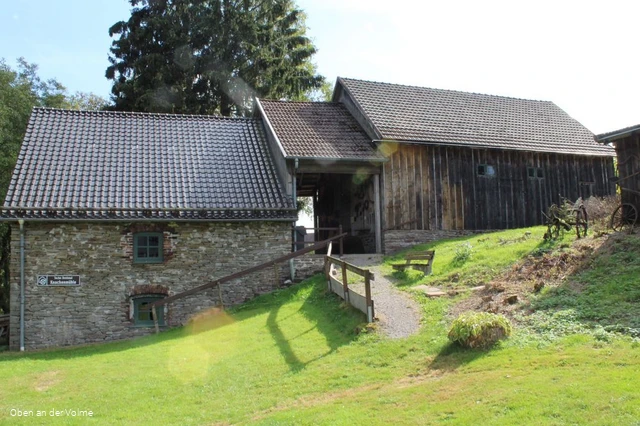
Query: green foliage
[[479, 329], [464, 252], [489, 257], [606, 293], [210, 56]]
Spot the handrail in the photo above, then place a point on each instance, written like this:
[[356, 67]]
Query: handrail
[[248, 271], [365, 273]]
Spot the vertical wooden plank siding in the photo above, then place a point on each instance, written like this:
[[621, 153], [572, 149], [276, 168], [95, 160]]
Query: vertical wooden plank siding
[[428, 187]]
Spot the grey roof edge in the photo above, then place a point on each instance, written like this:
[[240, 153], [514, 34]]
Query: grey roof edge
[[265, 119], [616, 134], [343, 159], [146, 114], [341, 81], [478, 146], [443, 90]]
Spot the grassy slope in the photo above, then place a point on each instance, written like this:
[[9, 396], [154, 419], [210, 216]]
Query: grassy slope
[[293, 358]]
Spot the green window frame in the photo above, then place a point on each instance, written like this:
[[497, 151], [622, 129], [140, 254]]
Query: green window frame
[[142, 312], [147, 247], [535, 173]]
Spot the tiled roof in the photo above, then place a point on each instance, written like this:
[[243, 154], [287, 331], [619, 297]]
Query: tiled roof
[[408, 113], [617, 134], [323, 130], [111, 165]]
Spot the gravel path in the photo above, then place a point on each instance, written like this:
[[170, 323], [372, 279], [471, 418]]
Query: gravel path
[[397, 312]]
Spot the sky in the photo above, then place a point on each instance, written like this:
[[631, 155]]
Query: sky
[[582, 55]]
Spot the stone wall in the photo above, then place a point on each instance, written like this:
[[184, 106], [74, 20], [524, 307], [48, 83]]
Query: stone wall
[[308, 265], [397, 240], [101, 254]]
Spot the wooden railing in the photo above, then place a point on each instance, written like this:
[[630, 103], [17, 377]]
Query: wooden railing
[[218, 282], [341, 288]]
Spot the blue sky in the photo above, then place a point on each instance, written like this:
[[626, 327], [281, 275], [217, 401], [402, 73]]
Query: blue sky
[[579, 54]]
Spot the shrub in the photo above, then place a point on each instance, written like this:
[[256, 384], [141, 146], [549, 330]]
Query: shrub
[[479, 329], [463, 253]]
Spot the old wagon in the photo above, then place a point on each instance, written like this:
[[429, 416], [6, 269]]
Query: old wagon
[[627, 144]]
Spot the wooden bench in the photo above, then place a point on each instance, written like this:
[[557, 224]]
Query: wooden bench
[[412, 261]]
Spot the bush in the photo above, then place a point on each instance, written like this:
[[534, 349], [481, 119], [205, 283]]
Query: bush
[[463, 253], [479, 329]]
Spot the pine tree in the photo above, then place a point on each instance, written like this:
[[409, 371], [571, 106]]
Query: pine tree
[[210, 56]]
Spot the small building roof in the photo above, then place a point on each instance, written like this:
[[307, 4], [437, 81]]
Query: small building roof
[[617, 134], [124, 165], [424, 115], [318, 130]]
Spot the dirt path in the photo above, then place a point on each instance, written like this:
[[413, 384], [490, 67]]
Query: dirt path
[[397, 312]]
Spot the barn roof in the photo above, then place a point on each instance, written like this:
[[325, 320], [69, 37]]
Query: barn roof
[[319, 130], [424, 115], [123, 165], [617, 134]]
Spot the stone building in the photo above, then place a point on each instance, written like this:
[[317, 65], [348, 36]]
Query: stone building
[[112, 211], [116, 210]]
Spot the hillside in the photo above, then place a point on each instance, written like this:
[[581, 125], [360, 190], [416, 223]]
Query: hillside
[[295, 357]]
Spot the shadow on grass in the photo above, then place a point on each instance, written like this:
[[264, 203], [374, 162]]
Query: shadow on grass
[[452, 356], [337, 323], [335, 320]]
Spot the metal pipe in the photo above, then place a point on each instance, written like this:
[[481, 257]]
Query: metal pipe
[[21, 223]]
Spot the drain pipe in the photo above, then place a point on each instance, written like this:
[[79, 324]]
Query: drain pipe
[[21, 223], [292, 268]]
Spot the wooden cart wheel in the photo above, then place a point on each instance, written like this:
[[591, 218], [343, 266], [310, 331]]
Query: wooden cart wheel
[[582, 222], [624, 217]]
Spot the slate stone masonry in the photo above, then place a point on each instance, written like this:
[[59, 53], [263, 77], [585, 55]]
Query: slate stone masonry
[[101, 254]]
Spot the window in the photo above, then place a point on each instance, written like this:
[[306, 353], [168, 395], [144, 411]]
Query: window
[[486, 170], [142, 312], [147, 247], [535, 173]]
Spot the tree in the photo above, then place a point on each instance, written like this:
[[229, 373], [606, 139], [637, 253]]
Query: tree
[[209, 56], [20, 91]]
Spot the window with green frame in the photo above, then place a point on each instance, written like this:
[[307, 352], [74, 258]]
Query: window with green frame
[[142, 312], [147, 247]]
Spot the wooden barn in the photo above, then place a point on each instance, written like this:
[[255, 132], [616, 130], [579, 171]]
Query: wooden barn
[[627, 145], [399, 165]]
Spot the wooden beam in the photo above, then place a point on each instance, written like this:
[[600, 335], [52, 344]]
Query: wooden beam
[[248, 271], [376, 207]]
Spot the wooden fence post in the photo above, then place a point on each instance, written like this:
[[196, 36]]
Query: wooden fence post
[[220, 295], [345, 285], [341, 239], [367, 294], [155, 319], [276, 272]]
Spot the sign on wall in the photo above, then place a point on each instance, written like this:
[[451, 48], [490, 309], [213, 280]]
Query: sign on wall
[[58, 280]]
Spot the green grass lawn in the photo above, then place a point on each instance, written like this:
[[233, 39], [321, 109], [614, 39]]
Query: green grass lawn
[[293, 357]]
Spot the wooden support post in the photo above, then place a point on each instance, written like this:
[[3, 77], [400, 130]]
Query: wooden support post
[[220, 295], [155, 319], [345, 285], [341, 241], [276, 273], [376, 208], [367, 295]]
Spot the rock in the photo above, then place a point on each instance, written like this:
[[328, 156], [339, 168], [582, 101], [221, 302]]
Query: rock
[[510, 300]]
